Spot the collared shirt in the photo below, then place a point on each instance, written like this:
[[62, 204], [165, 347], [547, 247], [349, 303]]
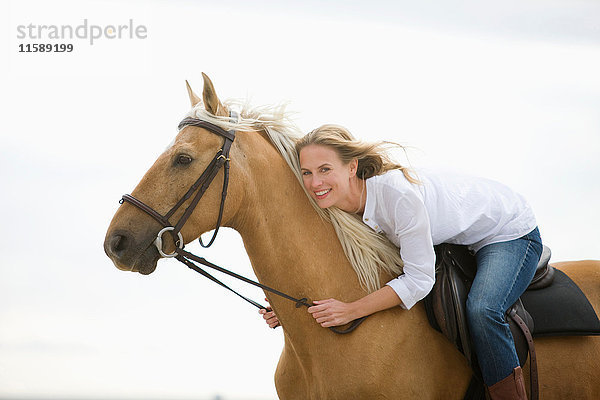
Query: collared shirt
[[443, 208]]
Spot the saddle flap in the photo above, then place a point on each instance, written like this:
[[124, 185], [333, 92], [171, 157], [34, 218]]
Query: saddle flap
[[455, 269]]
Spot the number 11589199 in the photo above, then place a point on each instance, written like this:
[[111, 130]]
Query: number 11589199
[[45, 48]]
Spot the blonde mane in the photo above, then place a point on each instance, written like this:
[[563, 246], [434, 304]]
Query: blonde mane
[[369, 253]]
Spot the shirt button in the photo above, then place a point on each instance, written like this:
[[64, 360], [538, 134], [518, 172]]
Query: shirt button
[[376, 227], [366, 219]]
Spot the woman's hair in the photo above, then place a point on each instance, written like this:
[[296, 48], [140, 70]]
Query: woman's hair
[[373, 158], [369, 253]]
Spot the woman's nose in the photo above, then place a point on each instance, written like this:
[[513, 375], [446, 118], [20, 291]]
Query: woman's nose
[[316, 182]]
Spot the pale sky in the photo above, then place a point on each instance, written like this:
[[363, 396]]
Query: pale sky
[[506, 90]]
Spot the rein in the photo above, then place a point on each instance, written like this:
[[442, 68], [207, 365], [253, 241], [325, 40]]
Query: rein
[[221, 159]]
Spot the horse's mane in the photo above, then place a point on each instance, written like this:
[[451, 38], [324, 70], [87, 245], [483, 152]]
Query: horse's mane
[[369, 253]]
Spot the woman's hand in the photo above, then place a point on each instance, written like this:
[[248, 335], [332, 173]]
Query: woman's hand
[[270, 317], [332, 312]]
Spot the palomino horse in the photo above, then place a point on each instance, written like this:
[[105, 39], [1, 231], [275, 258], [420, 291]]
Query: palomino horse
[[394, 354]]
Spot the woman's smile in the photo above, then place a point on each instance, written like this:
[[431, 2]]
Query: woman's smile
[[321, 194]]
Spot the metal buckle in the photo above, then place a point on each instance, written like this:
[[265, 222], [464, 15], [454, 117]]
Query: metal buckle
[[158, 242]]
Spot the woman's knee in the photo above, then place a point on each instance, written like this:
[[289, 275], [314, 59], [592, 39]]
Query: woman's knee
[[481, 314]]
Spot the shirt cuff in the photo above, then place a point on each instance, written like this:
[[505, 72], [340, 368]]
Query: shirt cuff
[[402, 291]]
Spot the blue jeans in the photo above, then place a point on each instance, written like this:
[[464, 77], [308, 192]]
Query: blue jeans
[[504, 270]]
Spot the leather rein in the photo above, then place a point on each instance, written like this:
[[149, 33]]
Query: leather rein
[[220, 160]]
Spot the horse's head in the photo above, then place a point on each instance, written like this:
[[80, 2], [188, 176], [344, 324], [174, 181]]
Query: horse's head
[[130, 237]]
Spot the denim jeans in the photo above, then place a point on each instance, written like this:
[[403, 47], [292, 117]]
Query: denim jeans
[[504, 270]]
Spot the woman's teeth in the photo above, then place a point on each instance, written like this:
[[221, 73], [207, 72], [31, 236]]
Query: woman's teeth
[[322, 192]]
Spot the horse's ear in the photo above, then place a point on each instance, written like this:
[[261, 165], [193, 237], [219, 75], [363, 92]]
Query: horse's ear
[[211, 101], [193, 98]]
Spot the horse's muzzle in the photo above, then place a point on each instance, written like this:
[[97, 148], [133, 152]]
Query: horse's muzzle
[[128, 255]]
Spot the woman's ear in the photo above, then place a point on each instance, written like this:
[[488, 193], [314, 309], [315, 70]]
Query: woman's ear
[[353, 167]]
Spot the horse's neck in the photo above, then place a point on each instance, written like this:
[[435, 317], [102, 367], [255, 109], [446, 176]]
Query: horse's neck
[[294, 251], [291, 248]]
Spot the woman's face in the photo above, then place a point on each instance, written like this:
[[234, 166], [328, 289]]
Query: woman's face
[[325, 176]]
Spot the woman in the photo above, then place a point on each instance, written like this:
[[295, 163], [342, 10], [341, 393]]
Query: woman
[[416, 213]]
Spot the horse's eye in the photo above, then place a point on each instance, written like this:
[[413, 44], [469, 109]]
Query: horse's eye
[[184, 159]]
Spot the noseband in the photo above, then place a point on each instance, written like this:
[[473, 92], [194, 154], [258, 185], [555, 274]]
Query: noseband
[[221, 159]]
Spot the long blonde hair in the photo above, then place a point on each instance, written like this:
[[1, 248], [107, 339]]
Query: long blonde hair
[[368, 252]]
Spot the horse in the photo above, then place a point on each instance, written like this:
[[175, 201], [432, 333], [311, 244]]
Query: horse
[[394, 354]]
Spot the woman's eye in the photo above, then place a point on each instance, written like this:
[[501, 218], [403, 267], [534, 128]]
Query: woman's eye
[[184, 159], [325, 169], [305, 173]]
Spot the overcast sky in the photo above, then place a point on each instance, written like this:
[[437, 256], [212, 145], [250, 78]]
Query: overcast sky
[[508, 90]]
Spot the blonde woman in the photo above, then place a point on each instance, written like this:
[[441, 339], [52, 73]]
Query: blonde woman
[[416, 210]]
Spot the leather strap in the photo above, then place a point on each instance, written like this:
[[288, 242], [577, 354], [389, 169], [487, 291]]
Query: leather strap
[[203, 177], [220, 159], [225, 157], [206, 179], [194, 267], [146, 208], [185, 257], [533, 372], [189, 121], [186, 254], [353, 325]]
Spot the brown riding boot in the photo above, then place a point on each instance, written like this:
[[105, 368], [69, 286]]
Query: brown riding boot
[[510, 388]]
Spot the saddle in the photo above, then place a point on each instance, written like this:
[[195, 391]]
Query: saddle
[[446, 309], [552, 305]]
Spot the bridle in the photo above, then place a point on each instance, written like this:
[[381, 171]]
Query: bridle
[[220, 160]]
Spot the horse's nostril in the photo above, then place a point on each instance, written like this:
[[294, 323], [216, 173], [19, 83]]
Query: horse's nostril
[[117, 244]]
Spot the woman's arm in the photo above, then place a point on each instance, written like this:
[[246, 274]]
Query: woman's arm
[[412, 230], [332, 312]]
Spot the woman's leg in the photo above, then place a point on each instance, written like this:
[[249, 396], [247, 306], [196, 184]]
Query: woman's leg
[[504, 270]]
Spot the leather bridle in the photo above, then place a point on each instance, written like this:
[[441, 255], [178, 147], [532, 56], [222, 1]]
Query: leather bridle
[[220, 160]]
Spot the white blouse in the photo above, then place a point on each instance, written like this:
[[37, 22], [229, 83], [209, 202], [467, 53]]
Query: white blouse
[[443, 208]]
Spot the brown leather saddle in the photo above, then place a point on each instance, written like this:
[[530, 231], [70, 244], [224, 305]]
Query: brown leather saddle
[[446, 309]]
